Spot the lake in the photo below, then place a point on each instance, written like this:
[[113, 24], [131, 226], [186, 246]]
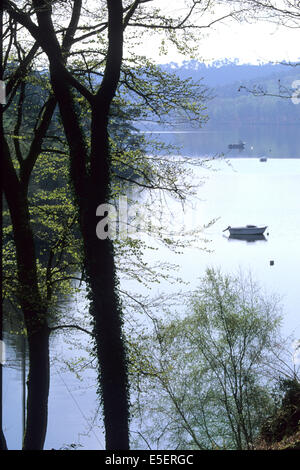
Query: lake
[[274, 141], [239, 192]]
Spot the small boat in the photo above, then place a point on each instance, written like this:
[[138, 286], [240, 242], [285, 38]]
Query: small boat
[[239, 146], [247, 230], [263, 159]]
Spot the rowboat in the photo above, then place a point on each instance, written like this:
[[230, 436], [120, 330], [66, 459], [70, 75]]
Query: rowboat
[[247, 230]]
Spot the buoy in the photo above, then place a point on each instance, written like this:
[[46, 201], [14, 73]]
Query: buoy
[[271, 263]]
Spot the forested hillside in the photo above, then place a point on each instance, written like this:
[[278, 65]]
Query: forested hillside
[[230, 85]]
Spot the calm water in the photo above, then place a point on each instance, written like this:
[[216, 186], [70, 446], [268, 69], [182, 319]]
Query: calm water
[[250, 192], [273, 141], [245, 192]]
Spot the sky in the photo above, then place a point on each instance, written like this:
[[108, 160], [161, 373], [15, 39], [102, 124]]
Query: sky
[[253, 43], [250, 43]]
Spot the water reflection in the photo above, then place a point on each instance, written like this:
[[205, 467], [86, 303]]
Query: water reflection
[[247, 237]]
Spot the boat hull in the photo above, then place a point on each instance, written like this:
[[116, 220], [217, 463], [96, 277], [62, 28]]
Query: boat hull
[[246, 230], [240, 146]]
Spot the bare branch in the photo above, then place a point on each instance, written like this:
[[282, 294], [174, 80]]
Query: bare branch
[[77, 327]]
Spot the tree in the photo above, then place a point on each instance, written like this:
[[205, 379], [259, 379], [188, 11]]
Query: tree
[[33, 306], [90, 162], [3, 445], [210, 372], [284, 12], [52, 220], [34, 269], [281, 430]]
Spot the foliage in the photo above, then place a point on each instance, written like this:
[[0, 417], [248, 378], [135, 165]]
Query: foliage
[[282, 429], [52, 213], [203, 379]]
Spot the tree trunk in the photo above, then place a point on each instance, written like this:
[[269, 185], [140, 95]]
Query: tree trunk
[[111, 352], [91, 179], [37, 386], [35, 317], [3, 445], [33, 307], [105, 302]]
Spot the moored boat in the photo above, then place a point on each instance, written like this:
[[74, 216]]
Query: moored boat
[[239, 146], [247, 230]]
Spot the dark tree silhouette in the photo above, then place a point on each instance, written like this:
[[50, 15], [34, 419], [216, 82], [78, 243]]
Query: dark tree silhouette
[[90, 166]]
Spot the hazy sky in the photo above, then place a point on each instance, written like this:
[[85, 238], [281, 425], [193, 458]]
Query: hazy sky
[[248, 42], [253, 43]]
